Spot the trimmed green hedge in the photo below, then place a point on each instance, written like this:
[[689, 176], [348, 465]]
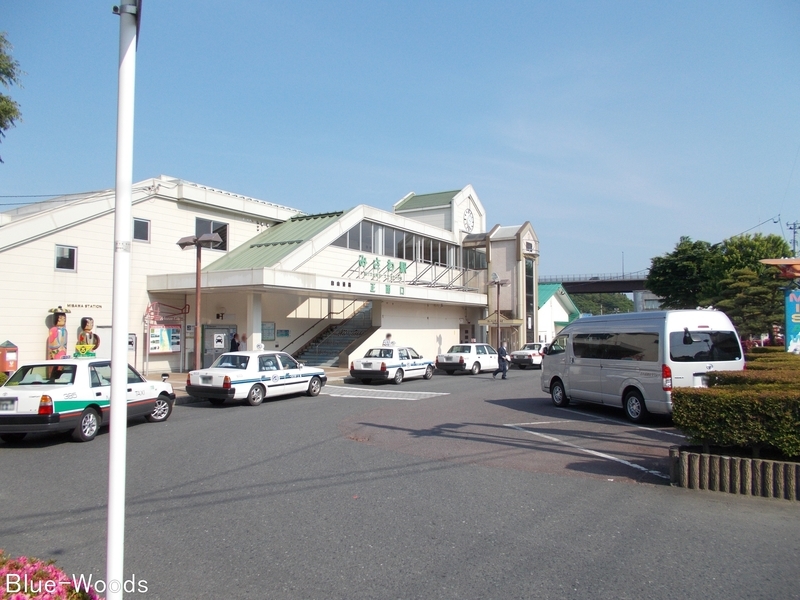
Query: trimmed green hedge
[[3, 378], [757, 408]]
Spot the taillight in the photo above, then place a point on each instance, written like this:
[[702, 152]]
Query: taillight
[[666, 378], [188, 379], [45, 405], [352, 366], [226, 383], [383, 366]]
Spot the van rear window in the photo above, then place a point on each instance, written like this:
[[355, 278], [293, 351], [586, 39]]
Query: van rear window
[[704, 346], [616, 346]]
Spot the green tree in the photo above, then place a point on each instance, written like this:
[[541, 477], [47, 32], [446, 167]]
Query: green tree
[[743, 252], [681, 277], [10, 74], [602, 304], [753, 301]]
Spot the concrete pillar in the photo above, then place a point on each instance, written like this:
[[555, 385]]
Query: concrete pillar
[[253, 321]]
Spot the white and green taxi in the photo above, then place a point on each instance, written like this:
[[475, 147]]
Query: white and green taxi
[[254, 376], [74, 395], [393, 363]]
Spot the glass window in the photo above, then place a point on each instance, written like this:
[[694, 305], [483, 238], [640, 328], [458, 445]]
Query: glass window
[[403, 354], [388, 241], [400, 243], [267, 363], [435, 255], [426, 249], [591, 345], [354, 241], [141, 230], [366, 236], [409, 253], [413, 353], [703, 346], [287, 362], [341, 241], [559, 345], [205, 226], [66, 258], [634, 346]]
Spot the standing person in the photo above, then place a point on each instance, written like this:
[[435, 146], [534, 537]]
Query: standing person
[[243, 343], [388, 341], [502, 361], [235, 342]]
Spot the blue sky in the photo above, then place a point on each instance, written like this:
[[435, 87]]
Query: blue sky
[[614, 127]]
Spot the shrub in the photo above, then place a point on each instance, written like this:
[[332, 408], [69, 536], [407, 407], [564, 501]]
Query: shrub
[[745, 415], [3, 378], [36, 576]]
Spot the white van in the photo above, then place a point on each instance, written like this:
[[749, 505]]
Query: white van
[[634, 360]]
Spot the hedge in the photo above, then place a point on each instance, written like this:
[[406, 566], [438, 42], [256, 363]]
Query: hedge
[[752, 408]]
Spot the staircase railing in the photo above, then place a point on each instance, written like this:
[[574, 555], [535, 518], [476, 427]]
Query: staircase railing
[[327, 317]]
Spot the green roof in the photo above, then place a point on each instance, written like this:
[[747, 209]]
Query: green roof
[[547, 291], [426, 201], [274, 243]]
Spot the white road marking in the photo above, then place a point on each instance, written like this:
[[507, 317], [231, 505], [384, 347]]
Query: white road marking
[[587, 451], [376, 394], [627, 423]]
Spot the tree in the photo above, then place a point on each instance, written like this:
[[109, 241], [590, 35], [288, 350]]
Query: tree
[[10, 74], [681, 277], [754, 302], [602, 304]]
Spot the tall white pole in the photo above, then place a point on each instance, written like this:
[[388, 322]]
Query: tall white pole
[[115, 548]]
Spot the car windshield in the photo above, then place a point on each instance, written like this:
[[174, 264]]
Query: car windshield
[[231, 361], [44, 374], [460, 349], [379, 353]]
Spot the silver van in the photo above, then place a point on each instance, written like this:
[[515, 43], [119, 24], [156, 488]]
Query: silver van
[[634, 360]]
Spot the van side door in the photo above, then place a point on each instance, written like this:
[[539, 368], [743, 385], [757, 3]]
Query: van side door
[[585, 366]]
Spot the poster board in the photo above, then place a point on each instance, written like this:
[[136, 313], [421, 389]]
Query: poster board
[[165, 339]]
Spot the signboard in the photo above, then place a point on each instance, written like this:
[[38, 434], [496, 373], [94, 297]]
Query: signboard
[[219, 340], [165, 339], [268, 331], [793, 321]]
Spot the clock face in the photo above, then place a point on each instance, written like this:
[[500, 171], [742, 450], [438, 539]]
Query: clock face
[[469, 220]]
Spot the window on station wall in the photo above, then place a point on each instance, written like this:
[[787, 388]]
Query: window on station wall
[[529, 284], [388, 241], [366, 236], [435, 256], [207, 226], [141, 230], [400, 243], [409, 247], [66, 258]]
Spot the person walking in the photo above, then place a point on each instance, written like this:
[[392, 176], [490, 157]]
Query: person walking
[[502, 361]]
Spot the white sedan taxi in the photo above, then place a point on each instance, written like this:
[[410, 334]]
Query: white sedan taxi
[[473, 358], [74, 395], [528, 355], [254, 376], [393, 363]]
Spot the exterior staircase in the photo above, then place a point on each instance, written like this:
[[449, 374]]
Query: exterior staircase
[[323, 350]]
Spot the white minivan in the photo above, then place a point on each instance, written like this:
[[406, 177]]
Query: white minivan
[[634, 360]]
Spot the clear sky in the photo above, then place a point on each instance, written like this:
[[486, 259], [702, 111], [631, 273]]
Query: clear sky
[[614, 127]]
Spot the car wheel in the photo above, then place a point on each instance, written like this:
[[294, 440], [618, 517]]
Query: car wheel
[[635, 409], [216, 401], [476, 368], [256, 395], [558, 394], [522, 366], [12, 438], [428, 372], [161, 411], [398, 377], [88, 426], [314, 386]]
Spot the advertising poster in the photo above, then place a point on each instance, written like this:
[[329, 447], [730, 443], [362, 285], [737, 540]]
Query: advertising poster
[[165, 339], [793, 321]]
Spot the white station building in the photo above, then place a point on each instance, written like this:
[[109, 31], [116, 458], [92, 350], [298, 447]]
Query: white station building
[[324, 287]]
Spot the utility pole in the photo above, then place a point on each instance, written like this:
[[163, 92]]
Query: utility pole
[[794, 227]]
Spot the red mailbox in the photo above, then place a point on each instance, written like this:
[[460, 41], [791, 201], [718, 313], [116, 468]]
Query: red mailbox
[[8, 357]]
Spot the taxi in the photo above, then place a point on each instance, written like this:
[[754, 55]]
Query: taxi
[[254, 376], [74, 395], [472, 358], [393, 363]]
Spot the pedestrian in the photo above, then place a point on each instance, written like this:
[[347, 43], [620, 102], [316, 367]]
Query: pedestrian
[[243, 343], [387, 341], [235, 342], [502, 361]]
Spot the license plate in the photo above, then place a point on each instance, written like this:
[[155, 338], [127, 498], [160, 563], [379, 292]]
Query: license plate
[[6, 404], [206, 379], [367, 365]]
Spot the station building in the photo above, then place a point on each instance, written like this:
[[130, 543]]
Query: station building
[[430, 272]]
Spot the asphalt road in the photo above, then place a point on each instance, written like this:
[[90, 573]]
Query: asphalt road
[[458, 487]]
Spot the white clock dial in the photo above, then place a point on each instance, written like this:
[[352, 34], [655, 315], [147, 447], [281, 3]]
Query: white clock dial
[[469, 220]]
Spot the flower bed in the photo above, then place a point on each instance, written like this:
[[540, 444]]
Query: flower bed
[[26, 578]]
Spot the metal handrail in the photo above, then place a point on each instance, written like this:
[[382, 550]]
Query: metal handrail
[[325, 318]]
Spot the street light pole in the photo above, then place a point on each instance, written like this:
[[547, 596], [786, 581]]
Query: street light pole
[[208, 240]]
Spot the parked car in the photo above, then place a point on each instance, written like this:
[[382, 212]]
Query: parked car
[[253, 376], [468, 357], [394, 363], [528, 355], [74, 395]]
